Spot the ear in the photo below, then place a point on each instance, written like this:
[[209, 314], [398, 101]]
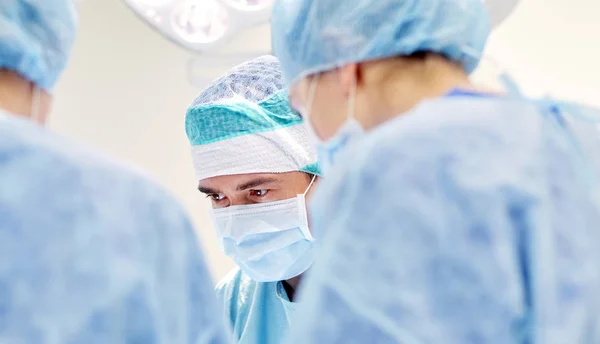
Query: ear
[[348, 77]]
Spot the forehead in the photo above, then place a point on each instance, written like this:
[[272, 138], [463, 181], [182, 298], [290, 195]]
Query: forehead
[[223, 183]]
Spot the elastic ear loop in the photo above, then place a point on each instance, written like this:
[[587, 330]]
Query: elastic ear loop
[[302, 205], [310, 185], [312, 91], [307, 108], [36, 105]]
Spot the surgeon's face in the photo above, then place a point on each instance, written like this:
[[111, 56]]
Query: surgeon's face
[[245, 189], [327, 110]]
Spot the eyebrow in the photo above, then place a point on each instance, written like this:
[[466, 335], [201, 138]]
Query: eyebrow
[[207, 191], [255, 183]]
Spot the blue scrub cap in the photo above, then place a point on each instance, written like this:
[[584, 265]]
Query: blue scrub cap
[[36, 37], [243, 123], [312, 36]]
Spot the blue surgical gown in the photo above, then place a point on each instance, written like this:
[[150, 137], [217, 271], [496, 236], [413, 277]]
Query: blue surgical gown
[[91, 252], [467, 220], [259, 312]]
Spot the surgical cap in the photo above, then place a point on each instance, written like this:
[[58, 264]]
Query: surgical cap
[[36, 37], [243, 123], [315, 36]]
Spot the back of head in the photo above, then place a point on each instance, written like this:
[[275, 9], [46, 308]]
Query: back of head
[[36, 37], [243, 123], [316, 36]]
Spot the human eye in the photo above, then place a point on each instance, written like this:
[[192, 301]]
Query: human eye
[[259, 193], [216, 198]]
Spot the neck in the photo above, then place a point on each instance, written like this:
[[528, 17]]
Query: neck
[[402, 84], [16, 94]]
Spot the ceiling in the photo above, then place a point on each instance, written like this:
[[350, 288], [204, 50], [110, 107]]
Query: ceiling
[[127, 88]]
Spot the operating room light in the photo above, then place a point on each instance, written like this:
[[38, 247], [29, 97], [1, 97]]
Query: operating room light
[[201, 21], [250, 5], [499, 10], [200, 24], [152, 2]]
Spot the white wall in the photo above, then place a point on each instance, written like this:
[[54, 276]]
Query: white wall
[[126, 89], [126, 93], [553, 46]]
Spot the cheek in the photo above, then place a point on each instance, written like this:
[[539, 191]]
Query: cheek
[[45, 106], [312, 189], [283, 194], [327, 114]]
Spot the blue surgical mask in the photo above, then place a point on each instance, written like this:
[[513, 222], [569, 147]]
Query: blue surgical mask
[[329, 151], [268, 241]]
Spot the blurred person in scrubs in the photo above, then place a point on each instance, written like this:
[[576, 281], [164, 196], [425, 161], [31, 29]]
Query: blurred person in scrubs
[[90, 251], [253, 160], [448, 215]]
